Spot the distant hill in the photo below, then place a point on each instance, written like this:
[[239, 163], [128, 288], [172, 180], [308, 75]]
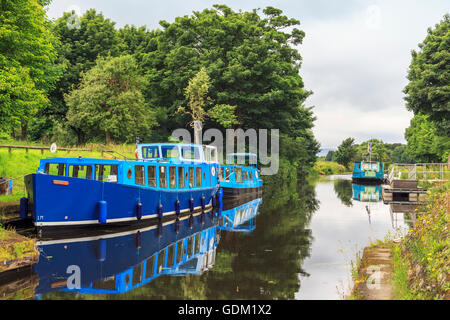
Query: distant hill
[[323, 152]]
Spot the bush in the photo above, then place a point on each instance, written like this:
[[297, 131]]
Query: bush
[[328, 167]]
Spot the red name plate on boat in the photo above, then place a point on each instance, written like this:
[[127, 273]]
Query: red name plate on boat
[[61, 182]]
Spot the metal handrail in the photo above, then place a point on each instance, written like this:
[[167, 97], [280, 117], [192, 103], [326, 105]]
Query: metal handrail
[[419, 171]]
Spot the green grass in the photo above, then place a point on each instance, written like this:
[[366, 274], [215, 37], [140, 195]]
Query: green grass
[[400, 276], [422, 260], [329, 167], [17, 163]]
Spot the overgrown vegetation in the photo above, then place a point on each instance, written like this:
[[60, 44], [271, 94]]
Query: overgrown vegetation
[[422, 260], [329, 167], [13, 246]]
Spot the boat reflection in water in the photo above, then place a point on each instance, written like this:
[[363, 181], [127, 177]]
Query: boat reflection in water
[[122, 261], [366, 193], [240, 218]]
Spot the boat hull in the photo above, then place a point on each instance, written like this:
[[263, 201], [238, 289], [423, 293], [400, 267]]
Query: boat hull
[[233, 192], [59, 201], [368, 180]]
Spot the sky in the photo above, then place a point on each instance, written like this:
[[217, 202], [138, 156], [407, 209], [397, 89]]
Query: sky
[[356, 54]]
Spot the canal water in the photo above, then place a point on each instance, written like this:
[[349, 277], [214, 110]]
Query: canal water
[[297, 242]]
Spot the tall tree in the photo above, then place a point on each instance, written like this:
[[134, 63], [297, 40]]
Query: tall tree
[[82, 40], [346, 152], [27, 55], [423, 143], [428, 90], [251, 60], [109, 101]]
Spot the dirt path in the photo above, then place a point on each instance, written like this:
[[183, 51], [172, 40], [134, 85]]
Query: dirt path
[[375, 274]]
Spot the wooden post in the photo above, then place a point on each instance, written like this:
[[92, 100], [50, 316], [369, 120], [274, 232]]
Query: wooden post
[[42, 151]]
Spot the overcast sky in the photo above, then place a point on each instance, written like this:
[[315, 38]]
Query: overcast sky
[[356, 54]]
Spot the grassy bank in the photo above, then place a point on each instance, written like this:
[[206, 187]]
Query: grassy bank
[[329, 167], [421, 260], [14, 248], [17, 163]]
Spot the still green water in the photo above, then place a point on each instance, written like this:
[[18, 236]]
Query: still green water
[[299, 246]]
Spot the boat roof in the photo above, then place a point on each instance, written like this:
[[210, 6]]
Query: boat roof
[[169, 144], [241, 154]]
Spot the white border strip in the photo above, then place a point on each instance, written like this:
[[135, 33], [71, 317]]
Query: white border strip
[[71, 223]]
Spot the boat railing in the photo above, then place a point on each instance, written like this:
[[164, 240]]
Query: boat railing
[[420, 171], [104, 149]]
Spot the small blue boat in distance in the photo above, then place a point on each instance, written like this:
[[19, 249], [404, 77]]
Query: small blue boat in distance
[[240, 176], [366, 193], [368, 170], [168, 179]]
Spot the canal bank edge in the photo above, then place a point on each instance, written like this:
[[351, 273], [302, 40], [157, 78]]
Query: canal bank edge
[[417, 267], [16, 251]]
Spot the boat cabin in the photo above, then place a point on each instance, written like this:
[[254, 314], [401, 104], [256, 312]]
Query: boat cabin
[[178, 152], [163, 166]]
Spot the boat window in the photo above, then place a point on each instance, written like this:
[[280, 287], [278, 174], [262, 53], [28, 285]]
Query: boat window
[[171, 256], [227, 174], [139, 174], [106, 284], [89, 172], [150, 152], [180, 177], [179, 251], [169, 152], [160, 263], [152, 176], [244, 175], [55, 169], [162, 177], [191, 177], [137, 275], [190, 246], [250, 175], [190, 153], [220, 175], [172, 177], [106, 172], [150, 267], [197, 244], [198, 172], [78, 171], [238, 173]]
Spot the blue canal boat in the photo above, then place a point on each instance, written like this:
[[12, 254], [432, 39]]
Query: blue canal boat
[[240, 218], [167, 179], [119, 262], [240, 176], [368, 172], [366, 193]]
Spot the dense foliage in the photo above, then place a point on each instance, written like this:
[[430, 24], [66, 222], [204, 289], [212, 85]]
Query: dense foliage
[[109, 101], [428, 91], [428, 96], [27, 56], [346, 152], [249, 61]]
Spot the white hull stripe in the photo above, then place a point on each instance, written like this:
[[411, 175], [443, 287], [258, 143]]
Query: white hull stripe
[[84, 222], [107, 236]]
